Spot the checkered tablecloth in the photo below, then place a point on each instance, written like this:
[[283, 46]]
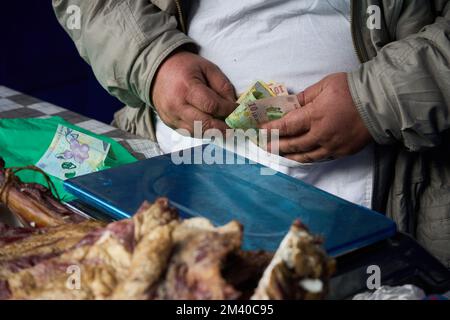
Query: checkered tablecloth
[[14, 104]]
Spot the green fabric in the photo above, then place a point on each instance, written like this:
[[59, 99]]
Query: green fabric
[[24, 141]]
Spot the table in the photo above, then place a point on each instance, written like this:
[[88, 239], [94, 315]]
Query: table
[[15, 104], [402, 259]]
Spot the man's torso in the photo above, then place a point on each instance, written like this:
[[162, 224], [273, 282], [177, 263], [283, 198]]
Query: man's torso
[[294, 42]]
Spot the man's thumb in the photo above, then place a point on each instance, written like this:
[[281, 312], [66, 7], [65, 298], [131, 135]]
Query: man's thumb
[[310, 94], [220, 83]]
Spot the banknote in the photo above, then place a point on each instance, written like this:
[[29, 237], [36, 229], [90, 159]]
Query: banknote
[[274, 108], [72, 154], [259, 90], [242, 117], [278, 89], [254, 113]]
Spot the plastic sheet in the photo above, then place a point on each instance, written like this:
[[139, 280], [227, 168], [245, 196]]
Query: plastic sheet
[[265, 205], [406, 292]]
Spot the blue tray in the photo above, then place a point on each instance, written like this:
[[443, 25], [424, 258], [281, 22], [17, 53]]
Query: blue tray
[[265, 205]]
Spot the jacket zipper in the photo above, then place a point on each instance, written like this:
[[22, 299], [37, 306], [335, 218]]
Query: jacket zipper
[[180, 16], [360, 53], [363, 57]]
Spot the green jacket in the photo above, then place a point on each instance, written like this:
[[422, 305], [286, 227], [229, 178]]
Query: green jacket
[[401, 90]]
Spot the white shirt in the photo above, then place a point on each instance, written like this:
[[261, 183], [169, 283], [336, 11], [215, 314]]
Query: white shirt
[[296, 42]]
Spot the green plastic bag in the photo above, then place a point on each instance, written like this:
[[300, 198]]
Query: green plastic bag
[[24, 141]]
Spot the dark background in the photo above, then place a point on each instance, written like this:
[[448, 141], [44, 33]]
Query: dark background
[[38, 58]]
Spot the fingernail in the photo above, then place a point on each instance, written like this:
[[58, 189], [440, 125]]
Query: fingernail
[[301, 98]]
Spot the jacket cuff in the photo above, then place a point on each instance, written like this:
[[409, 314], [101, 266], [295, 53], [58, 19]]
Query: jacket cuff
[[372, 103], [150, 59]]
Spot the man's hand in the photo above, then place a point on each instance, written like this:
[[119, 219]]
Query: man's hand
[[327, 126], [189, 88]]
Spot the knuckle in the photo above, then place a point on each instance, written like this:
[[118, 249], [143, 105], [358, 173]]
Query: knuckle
[[307, 123], [227, 87], [323, 154], [213, 68], [335, 142], [291, 145], [335, 90], [306, 158], [174, 108], [174, 113], [308, 94], [192, 92], [283, 127], [172, 122], [328, 151], [207, 124], [165, 119], [316, 138], [176, 122], [210, 106]]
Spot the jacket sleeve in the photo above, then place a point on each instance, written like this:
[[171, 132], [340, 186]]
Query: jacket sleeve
[[403, 94], [124, 41]]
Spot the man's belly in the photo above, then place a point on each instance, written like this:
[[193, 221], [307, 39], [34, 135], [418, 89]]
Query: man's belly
[[289, 41], [296, 42]]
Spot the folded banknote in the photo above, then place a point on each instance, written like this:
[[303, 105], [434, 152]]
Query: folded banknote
[[259, 90], [278, 89], [260, 104], [269, 109]]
